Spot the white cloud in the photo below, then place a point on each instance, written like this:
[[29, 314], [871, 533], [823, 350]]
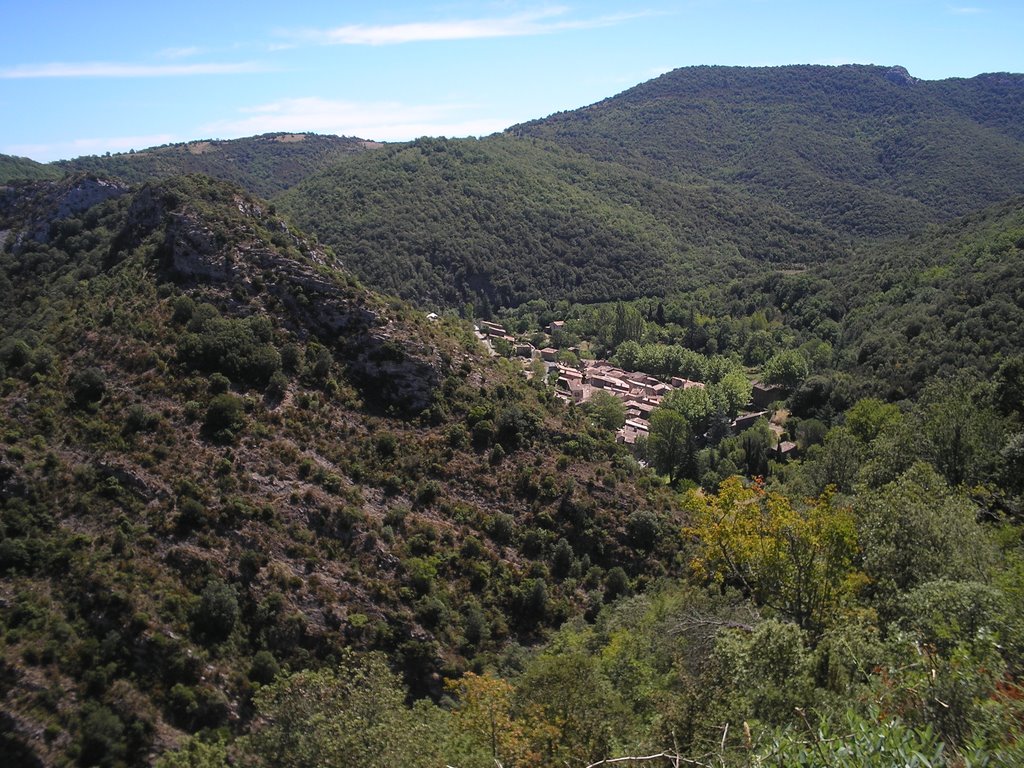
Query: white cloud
[[965, 10], [541, 22], [379, 121], [111, 69], [88, 146]]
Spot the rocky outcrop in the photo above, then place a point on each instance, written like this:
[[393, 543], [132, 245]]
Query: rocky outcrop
[[900, 76], [382, 359], [33, 209]]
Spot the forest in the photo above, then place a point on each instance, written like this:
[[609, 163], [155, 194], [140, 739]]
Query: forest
[[259, 508]]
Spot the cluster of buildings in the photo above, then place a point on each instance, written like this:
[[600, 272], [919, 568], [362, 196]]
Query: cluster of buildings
[[640, 393]]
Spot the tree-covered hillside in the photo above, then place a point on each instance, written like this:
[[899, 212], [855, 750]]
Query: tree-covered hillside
[[256, 514], [506, 220], [263, 165], [908, 310], [12, 168], [867, 150], [678, 184]]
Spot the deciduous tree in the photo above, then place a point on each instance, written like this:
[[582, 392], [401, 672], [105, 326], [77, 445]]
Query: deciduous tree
[[794, 557]]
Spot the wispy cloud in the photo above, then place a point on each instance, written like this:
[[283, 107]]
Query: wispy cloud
[[113, 69], [86, 146], [381, 121], [966, 10], [542, 22]]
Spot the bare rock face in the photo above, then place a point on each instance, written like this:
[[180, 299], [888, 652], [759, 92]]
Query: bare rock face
[[86, 193], [900, 76]]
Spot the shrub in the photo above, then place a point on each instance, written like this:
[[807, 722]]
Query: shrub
[[217, 612], [87, 386], [277, 387], [183, 307], [616, 584], [503, 528], [497, 454], [291, 358], [643, 530], [264, 668], [232, 347], [224, 417], [138, 419], [219, 384], [102, 737]]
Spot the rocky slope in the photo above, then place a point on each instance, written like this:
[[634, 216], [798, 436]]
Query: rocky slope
[[223, 457]]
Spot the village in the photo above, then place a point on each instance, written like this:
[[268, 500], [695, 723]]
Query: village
[[640, 393]]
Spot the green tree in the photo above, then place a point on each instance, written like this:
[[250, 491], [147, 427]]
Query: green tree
[[353, 715], [869, 416], [607, 411], [917, 529], [626, 355], [960, 433], [668, 443], [629, 324], [757, 442], [731, 392], [764, 673], [787, 368], [573, 714], [224, 417], [836, 461], [217, 612], [693, 404]]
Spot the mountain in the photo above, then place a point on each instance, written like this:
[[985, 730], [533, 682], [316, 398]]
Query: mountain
[[264, 165], [673, 186], [678, 185], [253, 512], [866, 150], [223, 456], [12, 168], [507, 220]]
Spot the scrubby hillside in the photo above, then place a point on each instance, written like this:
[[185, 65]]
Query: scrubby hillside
[[223, 457]]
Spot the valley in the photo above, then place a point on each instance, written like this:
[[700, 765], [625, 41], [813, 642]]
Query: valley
[[684, 425]]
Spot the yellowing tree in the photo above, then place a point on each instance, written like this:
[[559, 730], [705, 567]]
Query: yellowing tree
[[484, 714], [794, 558]]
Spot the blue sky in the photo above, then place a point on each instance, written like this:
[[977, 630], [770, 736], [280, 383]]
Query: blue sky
[[82, 78]]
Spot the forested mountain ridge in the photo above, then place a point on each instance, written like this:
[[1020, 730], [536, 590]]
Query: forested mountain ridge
[[506, 221], [222, 456], [264, 165], [866, 150], [689, 180]]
